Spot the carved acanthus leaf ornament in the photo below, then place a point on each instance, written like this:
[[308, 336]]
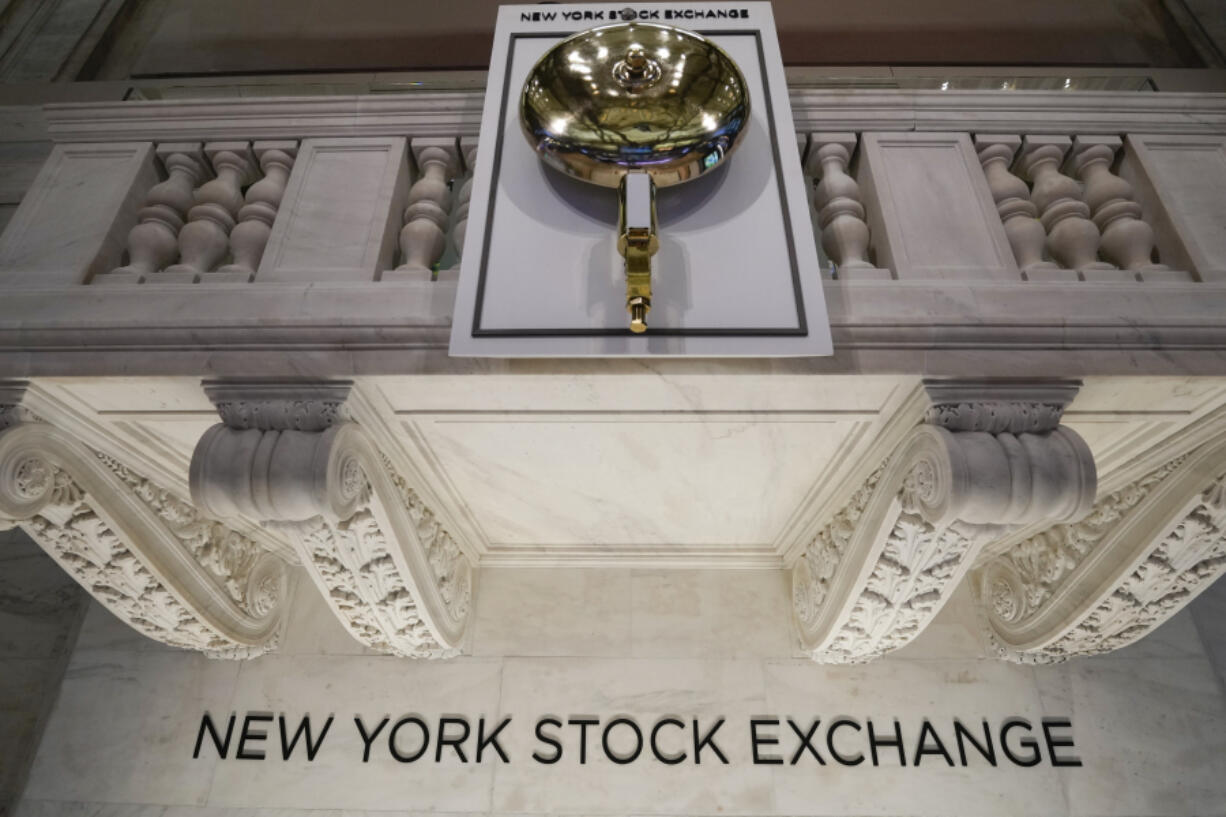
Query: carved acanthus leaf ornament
[[392, 574], [1142, 553], [145, 554], [874, 577]]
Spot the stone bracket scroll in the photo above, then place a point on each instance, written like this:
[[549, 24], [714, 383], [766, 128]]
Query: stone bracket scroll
[[1102, 583], [288, 454], [143, 553], [987, 458]]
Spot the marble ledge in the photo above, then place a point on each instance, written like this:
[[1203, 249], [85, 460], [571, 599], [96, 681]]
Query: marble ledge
[[930, 327], [456, 114], [63, 808]]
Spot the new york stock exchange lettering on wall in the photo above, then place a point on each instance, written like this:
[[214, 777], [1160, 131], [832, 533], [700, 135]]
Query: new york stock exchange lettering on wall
[[670, 740]]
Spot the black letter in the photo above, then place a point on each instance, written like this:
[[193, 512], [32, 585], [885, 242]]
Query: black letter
[[846, 761], [767, 740], [671, 760], [989, 752], [543, 738], [454, 743], [425, 739], [287, 746], [707, 741], [368, 739], [922, 749], [256, 754], [805, 737], [873, 742], [484, 740], [1028, 743], [1052, 743], [583, 724], [638, 746], [222, 747]]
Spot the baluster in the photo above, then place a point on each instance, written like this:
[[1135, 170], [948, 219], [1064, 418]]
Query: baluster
[[1127, 241], [423, 238], [840, 211], [1018, 213], [1072, 239], [459, 218], [154, 241], [205, 239], [255, 218]]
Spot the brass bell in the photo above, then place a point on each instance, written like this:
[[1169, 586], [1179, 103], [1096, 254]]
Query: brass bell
[[635, 106]]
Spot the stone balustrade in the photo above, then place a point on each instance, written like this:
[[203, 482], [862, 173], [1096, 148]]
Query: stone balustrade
[[1067, 212], [424, 236], [1066, 206], [200, 215], [459, 216], [955, 196], [839, 204]]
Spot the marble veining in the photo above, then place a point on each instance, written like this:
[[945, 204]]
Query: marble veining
[[1147, 720]]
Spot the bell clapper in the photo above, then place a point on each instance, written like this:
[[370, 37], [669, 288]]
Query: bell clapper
[[637, 242]]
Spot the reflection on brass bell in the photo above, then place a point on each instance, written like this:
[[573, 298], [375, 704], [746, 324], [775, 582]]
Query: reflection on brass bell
[[635, 106]]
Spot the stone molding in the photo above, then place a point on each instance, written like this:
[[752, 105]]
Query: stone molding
[[1099, 584], [275, 404], [453, 114], [145, 554], [392, 574], [994, 406], [874, 577], [12, 412], [382, 328]]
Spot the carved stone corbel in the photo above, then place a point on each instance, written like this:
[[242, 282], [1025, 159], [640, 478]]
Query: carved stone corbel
[[987, 458], [142, 552], [287, 453], [1141, 554]]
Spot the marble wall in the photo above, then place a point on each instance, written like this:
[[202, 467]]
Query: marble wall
[[1149, 722], [40, 611]]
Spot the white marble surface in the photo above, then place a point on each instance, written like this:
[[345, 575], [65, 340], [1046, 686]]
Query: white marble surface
[[343, 211], [120, 730], [929, 208], [647, 690], [573, 480], [61, 235], [1162, 722], [1181, 182], [633, 613], [382, 687], [1209, 613], [910, 691], [40, 614], [1147, 720]]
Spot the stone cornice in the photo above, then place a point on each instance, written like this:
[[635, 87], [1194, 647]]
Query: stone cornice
[[456, 114], [1008, 111], [939, 328]]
